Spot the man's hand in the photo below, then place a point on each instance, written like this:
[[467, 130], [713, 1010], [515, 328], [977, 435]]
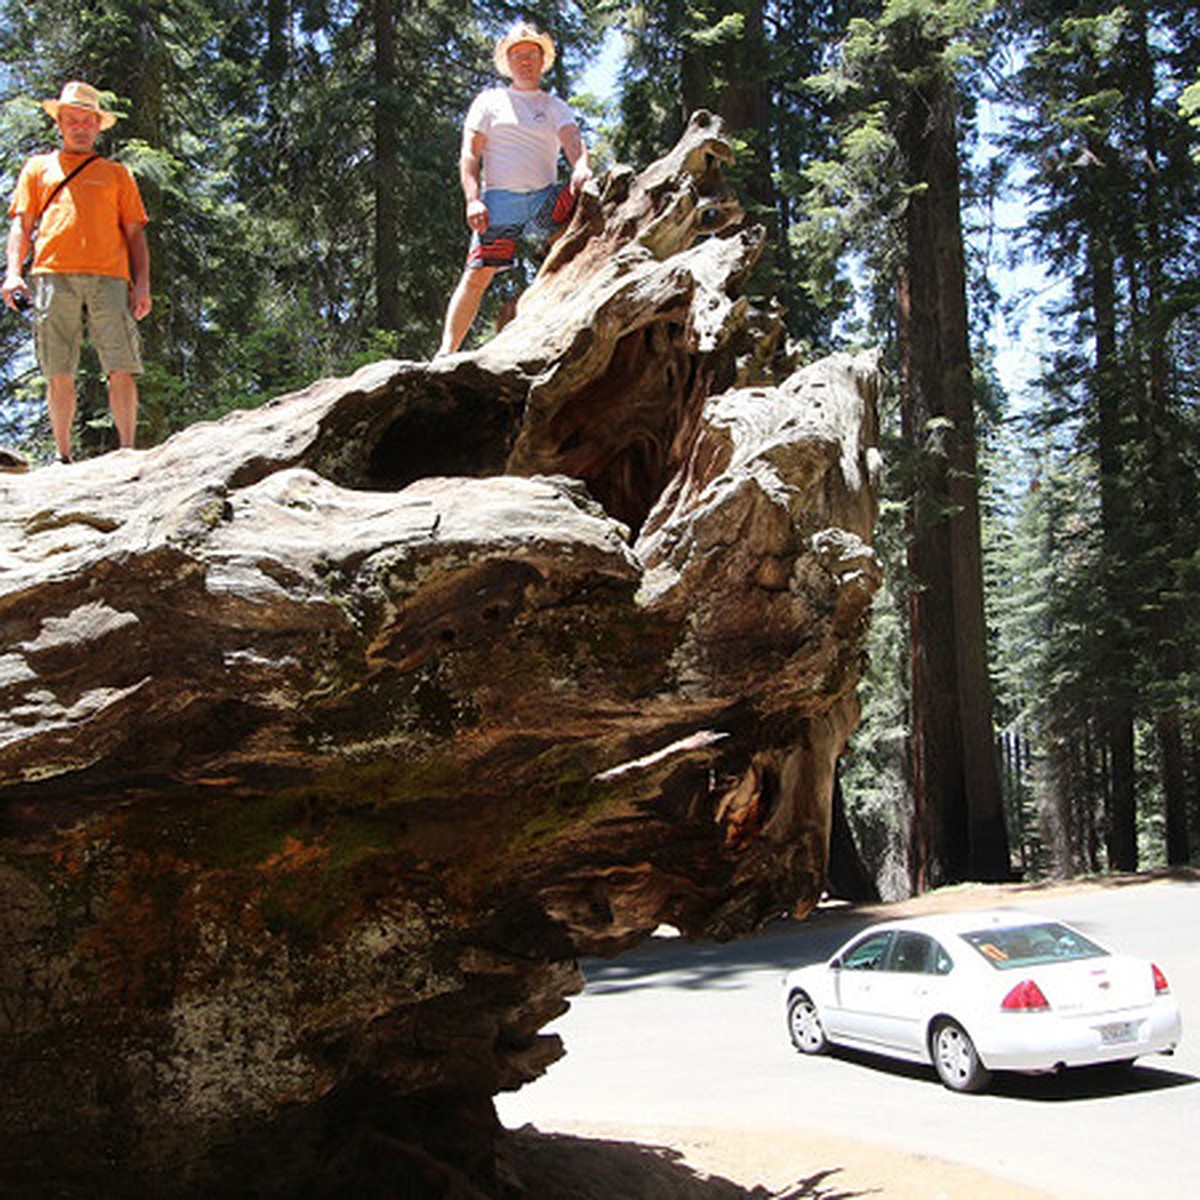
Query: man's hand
[[14, 285], [20, 234], [477, 215], [581, 173], [139, 299], [577, 155]]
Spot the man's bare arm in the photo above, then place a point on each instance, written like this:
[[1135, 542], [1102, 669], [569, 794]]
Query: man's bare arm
[[577, 155], [20, 232], [139, 268], [470, 170]]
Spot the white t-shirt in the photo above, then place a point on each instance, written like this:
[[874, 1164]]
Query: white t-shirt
[[521, 154]]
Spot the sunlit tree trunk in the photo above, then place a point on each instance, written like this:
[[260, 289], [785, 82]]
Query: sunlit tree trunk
[[1165, 482], [960, 822], [1117, 657]]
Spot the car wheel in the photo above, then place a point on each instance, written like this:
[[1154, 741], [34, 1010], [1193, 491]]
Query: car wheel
[[956, 1059], [804, 1025]]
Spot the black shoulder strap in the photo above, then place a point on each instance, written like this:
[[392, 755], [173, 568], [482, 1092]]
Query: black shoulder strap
[[62, 183]]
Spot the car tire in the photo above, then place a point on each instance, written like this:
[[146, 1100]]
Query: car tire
[[804, 1025], [956, 1059]]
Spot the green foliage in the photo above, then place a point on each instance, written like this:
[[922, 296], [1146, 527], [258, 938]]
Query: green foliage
[[852, 197], [746, 60], [1113, 176], [876, 780]]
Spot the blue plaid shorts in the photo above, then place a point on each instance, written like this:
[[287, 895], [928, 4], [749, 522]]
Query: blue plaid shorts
[[516, 216]]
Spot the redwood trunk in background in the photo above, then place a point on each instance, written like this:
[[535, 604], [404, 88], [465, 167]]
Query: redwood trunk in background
[[958, 827]]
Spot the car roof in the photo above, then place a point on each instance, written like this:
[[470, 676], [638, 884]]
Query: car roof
[[964, 921]]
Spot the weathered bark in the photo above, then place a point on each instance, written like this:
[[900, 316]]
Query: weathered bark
[[959, 826], [332, 733], [1167, 512], [1175, 790], [1116, 703]]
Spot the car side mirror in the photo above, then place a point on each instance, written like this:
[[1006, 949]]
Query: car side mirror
[[835, 964]]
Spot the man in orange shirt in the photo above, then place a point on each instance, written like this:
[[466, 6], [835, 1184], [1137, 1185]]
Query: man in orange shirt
[[84, 215]]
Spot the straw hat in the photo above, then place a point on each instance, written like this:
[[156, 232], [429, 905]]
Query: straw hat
[[81, 95], [523, 32]]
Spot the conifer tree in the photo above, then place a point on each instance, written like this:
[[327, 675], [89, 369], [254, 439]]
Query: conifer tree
[[895, 189], [1117, 187]]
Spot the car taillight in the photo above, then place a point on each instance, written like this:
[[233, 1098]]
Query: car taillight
[[1025, 997], [1161, 986]]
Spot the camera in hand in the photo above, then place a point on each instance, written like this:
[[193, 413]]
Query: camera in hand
[[21, 301]]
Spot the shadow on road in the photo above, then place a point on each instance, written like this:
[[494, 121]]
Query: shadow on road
[[555, 1166], [1092, 1083], [782, 945], [1079, 1083]]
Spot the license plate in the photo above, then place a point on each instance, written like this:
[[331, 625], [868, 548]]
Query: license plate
[[1118, 1031]]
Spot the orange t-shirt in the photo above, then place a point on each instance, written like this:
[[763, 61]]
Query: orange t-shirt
[[82, 231]]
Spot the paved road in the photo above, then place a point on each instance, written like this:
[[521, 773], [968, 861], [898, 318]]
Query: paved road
[[685, 1034]]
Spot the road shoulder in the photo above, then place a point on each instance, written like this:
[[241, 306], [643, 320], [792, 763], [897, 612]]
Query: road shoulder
[[581, 1161]]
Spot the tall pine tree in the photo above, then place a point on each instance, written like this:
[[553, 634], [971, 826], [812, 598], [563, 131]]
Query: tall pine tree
[[896, 191], [1117, 186]]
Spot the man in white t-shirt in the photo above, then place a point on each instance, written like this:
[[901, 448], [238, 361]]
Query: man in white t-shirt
[[508, 168]]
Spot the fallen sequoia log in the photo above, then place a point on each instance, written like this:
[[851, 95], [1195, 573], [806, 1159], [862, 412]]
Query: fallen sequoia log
[[331, 733]]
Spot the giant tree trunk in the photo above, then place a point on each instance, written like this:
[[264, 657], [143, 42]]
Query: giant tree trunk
[[1174, 777], [959, 821], [1116, 662], [332, 733], [1168, 536]]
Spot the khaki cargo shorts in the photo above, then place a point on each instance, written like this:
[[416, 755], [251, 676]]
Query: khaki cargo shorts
[[61, 306]]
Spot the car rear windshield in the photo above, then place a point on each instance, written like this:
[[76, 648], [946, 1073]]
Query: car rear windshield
[[1029, 945]]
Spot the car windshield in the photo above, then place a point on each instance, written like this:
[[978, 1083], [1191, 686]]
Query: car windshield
[[1028, 945]]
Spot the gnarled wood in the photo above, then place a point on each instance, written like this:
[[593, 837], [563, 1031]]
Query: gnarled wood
[[332, 733]]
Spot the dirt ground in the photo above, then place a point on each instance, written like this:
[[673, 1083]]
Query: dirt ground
[[675, 1163], [597, 1162]]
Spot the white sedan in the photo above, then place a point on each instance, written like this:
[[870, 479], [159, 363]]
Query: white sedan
[[976, 992]]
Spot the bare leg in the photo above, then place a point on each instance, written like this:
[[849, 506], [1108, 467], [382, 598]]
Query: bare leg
[[60, 400], [123, 402], [463, 307]]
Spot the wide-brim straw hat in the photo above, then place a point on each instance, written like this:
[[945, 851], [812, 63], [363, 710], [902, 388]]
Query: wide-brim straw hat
[[81, 95], [523, 32]]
